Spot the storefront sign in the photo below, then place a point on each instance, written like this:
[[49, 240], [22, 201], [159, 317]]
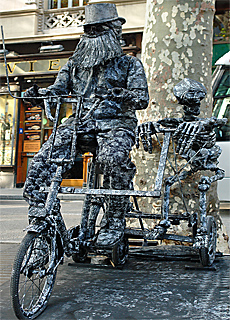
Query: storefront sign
[[34, 66], [31, 146]]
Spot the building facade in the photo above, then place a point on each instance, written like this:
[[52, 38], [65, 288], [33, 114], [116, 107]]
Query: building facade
[[40, 36]]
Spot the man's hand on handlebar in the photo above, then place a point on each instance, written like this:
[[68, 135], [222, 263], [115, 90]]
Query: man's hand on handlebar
[[33, 95]]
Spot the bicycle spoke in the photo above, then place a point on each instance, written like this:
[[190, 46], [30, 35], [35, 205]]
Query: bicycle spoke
[[32, 286], [31, 281]]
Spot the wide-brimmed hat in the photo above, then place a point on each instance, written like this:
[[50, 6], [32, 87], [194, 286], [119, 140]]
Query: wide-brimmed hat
[[100, 13]]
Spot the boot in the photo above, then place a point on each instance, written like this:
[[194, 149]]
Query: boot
[[113, 223], [37, 211]]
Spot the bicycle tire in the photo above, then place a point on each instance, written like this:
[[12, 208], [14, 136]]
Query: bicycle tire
[[30, 286], [120, 252], [207, 255], [81, 256]]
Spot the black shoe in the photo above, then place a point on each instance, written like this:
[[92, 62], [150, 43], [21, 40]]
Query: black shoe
[[107, 238]]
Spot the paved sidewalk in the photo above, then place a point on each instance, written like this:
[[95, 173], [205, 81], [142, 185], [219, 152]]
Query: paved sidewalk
[[7, 254], [147, 288]]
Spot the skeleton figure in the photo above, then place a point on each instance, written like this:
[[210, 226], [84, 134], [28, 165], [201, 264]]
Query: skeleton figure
[[195, 139], [98, 69]]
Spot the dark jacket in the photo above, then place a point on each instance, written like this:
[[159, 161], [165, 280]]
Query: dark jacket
[[124, 72]]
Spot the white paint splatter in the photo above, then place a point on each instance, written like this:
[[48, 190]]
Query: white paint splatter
[[174, 11], [163, 56], [164, 16], [192, 33], [189, 51]]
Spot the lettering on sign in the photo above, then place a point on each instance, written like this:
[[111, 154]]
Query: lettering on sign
[[11, 66], [33, 66], [54, 65]]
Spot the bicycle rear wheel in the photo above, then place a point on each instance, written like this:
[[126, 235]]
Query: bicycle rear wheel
[[207, 255], [31, 281]]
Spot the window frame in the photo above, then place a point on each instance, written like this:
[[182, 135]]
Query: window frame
[[70, 4]]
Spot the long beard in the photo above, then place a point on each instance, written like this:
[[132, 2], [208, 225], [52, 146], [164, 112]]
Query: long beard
[[95, 50]]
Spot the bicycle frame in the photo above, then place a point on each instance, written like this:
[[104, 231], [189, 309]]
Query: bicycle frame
[[54, 189]]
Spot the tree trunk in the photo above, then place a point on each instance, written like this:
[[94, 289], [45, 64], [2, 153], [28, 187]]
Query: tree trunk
[[177, 44]]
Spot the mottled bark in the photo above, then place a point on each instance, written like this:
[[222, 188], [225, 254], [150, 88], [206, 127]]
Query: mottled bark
[[177, 44]]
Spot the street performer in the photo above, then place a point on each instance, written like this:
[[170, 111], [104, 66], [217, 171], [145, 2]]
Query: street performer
[[195, 139], [98, 69]]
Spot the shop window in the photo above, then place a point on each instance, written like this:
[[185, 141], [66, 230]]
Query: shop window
[[32, 130], [57, 4], [8, 114], [47, 125]]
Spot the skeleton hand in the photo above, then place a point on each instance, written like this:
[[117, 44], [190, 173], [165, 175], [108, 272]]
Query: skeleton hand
[[145, 130], [186, 134], [46, 103]]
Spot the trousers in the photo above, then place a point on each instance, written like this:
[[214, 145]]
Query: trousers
[[112, 149]]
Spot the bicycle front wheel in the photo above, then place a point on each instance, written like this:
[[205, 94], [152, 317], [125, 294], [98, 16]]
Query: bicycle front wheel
[[32, 277]]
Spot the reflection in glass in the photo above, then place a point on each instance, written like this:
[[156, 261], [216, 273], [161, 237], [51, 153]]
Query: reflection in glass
[[222, 106], [57, 4], [7, 130]]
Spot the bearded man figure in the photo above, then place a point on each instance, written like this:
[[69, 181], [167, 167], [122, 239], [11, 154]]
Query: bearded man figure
[[97, 69]]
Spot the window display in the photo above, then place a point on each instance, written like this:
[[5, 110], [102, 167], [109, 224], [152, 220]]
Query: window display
[[32, 130], [7, 130]]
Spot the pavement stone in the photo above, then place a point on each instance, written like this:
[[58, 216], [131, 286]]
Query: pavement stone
[[7, 255], [150, 288], [166, 286]]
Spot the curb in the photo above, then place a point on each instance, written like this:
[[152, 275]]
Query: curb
[[66, 197], [11, 197]]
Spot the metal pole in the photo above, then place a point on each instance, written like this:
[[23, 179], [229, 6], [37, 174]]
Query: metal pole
[[13, 133], [7, 75]]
